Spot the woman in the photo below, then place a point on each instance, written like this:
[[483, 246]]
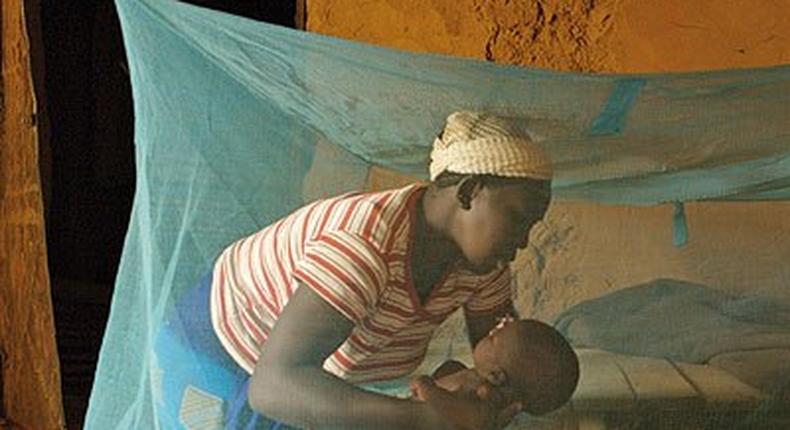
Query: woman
[[349, 290]]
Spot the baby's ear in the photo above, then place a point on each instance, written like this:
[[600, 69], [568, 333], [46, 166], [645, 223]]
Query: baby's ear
[[496, 377]]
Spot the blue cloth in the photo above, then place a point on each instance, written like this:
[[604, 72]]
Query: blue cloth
[[191, 357], [679, 320]]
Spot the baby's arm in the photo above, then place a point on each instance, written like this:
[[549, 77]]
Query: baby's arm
[[464, 383], [472, 415], [456, 378], [448, 368]]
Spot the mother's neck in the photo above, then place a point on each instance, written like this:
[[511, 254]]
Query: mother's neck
[[433, 238]]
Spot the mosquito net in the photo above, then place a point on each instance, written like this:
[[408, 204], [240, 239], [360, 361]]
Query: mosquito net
[[237, 123]]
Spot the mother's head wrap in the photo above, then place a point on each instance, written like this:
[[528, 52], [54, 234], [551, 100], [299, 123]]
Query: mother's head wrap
[[477, 143]]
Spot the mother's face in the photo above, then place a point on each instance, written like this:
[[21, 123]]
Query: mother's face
[[497, 223]]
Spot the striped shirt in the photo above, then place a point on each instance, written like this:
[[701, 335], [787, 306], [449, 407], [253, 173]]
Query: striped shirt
[[353, 251]]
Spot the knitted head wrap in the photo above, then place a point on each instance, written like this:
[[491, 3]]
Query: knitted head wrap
[[477, 143]]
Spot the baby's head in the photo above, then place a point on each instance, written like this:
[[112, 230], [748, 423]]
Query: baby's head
[[528, 361]]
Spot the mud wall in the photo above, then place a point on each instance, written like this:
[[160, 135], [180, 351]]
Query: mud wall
[[31, 381], [578, 35], [587, 250]]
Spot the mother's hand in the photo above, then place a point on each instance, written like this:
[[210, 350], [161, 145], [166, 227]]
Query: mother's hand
[[506, 409], [465, 413]]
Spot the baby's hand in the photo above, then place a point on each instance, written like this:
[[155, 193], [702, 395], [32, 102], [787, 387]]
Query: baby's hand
[[418, 387], [449, 367], [508, 409], [463, 413], [490, 394], [482, 413]]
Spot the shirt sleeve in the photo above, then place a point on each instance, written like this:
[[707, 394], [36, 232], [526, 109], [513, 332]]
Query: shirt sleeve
[[344, 269], [493, 293]]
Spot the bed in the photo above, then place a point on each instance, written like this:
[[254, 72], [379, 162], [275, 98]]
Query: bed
[[667, 354]]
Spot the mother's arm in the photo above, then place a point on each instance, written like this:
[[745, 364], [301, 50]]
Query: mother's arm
[[290, 385]]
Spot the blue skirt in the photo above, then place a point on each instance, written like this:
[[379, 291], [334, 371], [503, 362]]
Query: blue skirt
[[197, 384]]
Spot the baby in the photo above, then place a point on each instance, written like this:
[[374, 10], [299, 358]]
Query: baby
[[525, 361]]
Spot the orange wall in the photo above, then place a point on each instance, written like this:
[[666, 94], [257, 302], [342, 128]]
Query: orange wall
[[610, 36], [588, 249]]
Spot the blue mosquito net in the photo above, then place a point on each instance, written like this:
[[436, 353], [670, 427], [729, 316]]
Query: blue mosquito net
[[238, 122]]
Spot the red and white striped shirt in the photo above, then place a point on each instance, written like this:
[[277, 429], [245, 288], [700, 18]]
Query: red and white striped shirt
[[353, 251]]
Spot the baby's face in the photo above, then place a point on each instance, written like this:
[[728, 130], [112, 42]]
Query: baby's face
[[498, 361], [493, 354], [525, 360]]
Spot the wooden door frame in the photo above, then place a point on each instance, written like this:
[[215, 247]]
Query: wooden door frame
[[31, 371]]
